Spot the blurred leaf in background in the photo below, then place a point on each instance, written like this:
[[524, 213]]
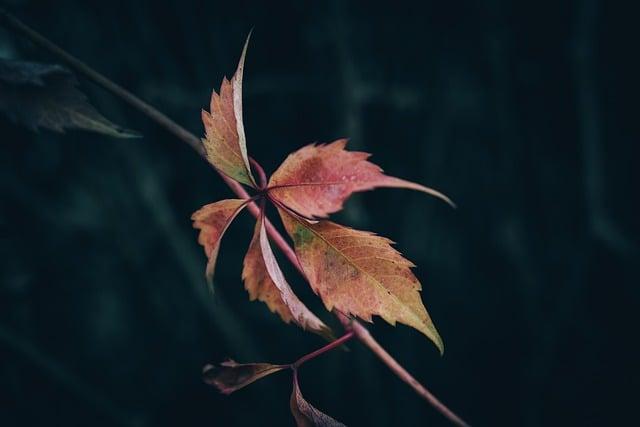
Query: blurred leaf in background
[[43, 95]]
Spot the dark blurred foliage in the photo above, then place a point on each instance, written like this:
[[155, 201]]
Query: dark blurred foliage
[[523, 112]]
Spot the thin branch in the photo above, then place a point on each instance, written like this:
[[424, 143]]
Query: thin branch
[[367, 339], [333, 344], [194, 142]]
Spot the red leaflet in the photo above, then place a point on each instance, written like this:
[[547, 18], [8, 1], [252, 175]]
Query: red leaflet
[[317, 179]]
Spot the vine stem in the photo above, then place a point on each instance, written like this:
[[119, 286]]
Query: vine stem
[[333, 344], [365, 337], [350, 325]]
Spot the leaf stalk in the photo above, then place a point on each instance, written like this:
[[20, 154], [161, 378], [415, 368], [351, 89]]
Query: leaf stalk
[[333, 344], [261, 175]]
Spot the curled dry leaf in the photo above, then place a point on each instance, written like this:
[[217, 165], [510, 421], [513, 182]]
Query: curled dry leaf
[[305, 414], [231, 376], [225, 142], [264, 281], [44, 95], [359, 273], [213, 220], [316, 180]]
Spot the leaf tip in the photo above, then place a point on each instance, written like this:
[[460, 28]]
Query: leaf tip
[[451, 203], [120, 132], [435, 337], [326, 333], [439, 195], [244, 51], [208, 275]]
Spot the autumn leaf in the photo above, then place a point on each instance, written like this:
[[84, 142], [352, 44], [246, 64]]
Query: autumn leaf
[[359, 273], [264, 281], [213, 220], [355, 272], [45, 96], [231, 376], [305, 414], [316, 180], [225, 142]]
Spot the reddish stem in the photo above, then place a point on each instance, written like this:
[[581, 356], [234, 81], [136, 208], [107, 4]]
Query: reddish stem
[[365, 337], [194, 142], [333, 344], [261, 175]]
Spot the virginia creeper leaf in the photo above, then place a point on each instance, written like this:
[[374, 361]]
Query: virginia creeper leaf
[[264, 281], [359, 273], [225, 142], [43, 95], [305, 414], [213, 220], [231, 376], [316, 180]]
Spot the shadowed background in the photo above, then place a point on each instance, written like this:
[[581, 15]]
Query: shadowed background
[[523, 112]]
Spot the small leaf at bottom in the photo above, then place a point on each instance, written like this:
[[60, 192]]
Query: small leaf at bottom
[[231, 376], [305, 414]]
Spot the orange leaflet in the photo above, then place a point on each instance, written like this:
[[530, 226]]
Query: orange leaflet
[[213, 220], [316, 180], [225, 142], [264, 281], [359, 273]]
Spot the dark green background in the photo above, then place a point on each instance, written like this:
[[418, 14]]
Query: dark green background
[[525, 113]]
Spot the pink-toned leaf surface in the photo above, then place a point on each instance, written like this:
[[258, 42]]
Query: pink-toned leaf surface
[[225, 142], [305, 414], [231, 376], [264, 281], [316, 180], [213, 220], [359, 273]]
